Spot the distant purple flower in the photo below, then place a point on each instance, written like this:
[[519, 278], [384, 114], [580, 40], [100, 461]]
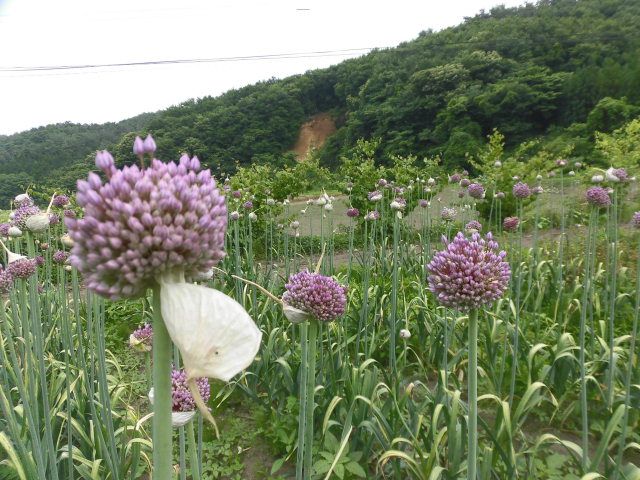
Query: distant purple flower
[[248, 205], [455, 178], [473, 226], [236, 194], [500, 195], [23, 268], [465, 182], [6, 280], [537, 190], [521, 190], [636, 220], [318, 295], [372, 216], [461, 194], [70, 214], [423, 203], [510, 224], [60, 200], [561, 162], [44, 246], [448, 214], [353, 212], [382, 183], [375, 196], [39, 260], [60, 257], [181, 395], [23, 212], [143, 223], [398, 204], [4, 229], [54, 219], [621, 174], [469, 273], [142, 338], [598, 197], [235, 215], [476, 191]]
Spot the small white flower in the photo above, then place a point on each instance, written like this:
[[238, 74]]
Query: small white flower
[[427, 189], [328, 207], [538, 177], [395, 205], [271, 202], [303, 212], [21, 198], [66, 240], [597, 179], [12, 215], [68, 268], [572, 173], [252, 216], [497, 163], [15, 232], [611, 175], [404, 333], [431, 181], [37, 223], [320, 201]]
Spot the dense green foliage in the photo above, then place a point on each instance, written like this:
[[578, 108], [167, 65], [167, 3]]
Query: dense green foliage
[[558, 70]]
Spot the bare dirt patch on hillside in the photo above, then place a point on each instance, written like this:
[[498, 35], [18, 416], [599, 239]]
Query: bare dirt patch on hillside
[[313, 134]]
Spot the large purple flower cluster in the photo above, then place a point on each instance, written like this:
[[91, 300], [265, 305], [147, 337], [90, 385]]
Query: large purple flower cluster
[[316, 294], [598, 197], [23, 268], [143, 223], [6, 280], [521, 190], [182, 399], [469, 272], [476, 191], [24, 211]]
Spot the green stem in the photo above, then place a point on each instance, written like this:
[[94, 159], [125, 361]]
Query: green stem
[[162, 433], [304, 360], [193, 452], [311, 386], [473, 394]]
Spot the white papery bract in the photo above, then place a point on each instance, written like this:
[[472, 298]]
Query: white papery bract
[[216, 336]]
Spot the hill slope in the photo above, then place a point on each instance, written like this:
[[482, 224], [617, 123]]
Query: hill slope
[[538, 70]]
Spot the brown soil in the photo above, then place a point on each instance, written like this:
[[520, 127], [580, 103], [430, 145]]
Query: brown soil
[[313, 134]]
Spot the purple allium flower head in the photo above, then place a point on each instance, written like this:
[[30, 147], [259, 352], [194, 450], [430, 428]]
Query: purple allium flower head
[[375, 196], [510, 224], [23, 212], [140, 224], [448, 214], [54, 219], [621, 173], [143, 336], [598, 197], [236, 194], [6, 280], [521, 190], [182, 399], [372, 216], [461, 194], [105, 162], [316, 294], [382, 182], [23, 199], [455, 178], [353, 212], [23, 268], [636, 220], [70, 214], [465, 182], [476, 191], [4, 229], [469, 273], [39, 260], [423, 203], [473, 226], [248, 205], [561, 162], [500, 195], [138, 146], [235, 215], [60, 257], [149, 145], [44, 246], [537, 190], [60, 200], [398, 204]]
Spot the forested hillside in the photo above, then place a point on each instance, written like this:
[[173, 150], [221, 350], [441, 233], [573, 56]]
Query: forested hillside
[[557, 70]]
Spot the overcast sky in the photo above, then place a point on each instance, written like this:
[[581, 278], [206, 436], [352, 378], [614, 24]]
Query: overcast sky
[[37, 33]]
